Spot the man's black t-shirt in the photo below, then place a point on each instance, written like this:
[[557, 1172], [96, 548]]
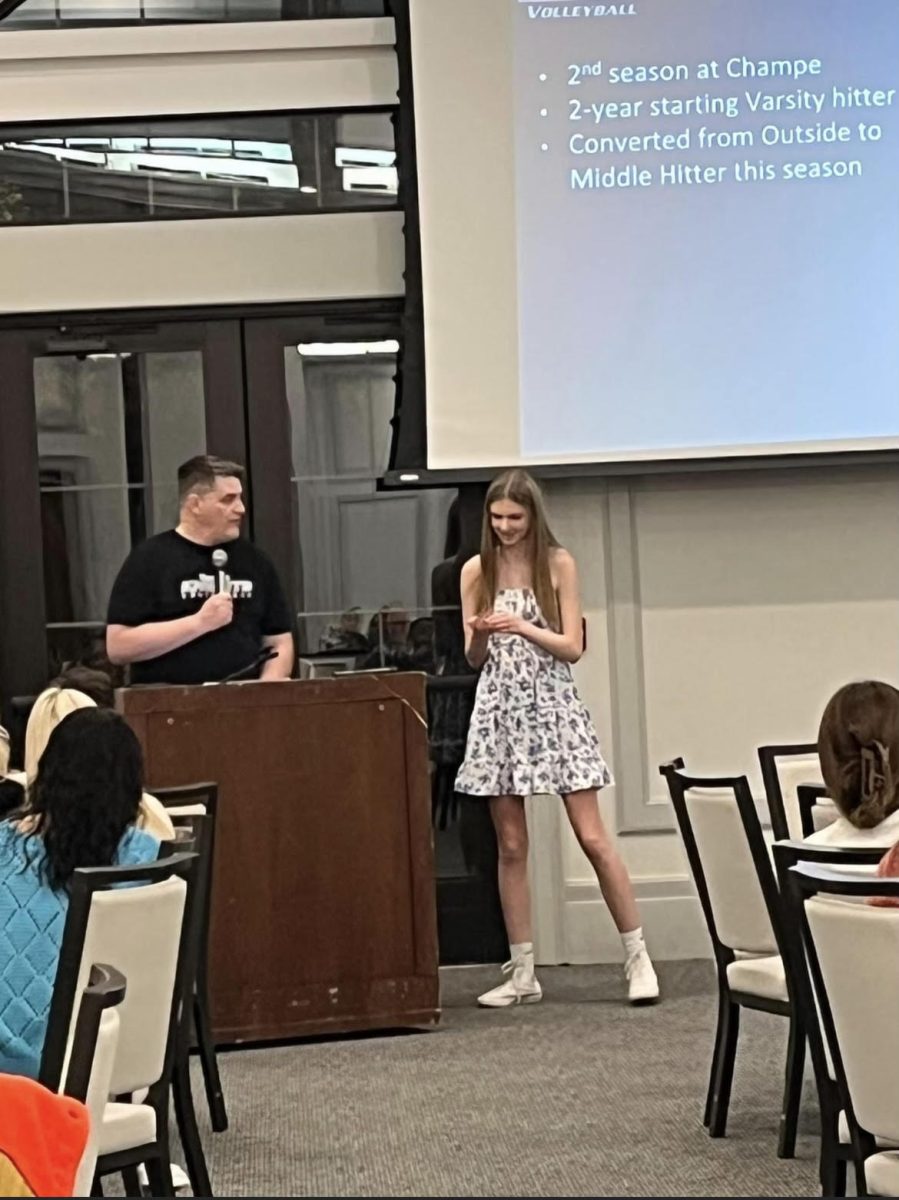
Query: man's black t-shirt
[[169, 576]]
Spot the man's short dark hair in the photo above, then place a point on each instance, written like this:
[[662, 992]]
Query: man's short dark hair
[[199, 474]]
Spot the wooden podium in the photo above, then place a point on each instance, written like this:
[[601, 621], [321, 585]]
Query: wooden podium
[[323, 906]]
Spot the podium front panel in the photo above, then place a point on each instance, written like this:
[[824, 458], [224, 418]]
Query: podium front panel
[[323, 913]]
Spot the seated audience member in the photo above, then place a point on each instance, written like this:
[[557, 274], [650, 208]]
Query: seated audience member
[[388, 633], [12, 783], [51, 707], [82, 811], [346, 636], [858, 744]]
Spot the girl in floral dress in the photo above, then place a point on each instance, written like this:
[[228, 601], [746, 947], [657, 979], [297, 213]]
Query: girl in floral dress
[[530, 733]]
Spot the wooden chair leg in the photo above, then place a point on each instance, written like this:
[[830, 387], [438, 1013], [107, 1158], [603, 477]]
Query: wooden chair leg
[[97, 1186], [186, 1117], [789, 1117], [724, 1067], [215, 1098]]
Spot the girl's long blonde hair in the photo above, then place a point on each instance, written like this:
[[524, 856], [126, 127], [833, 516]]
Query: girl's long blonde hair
[[518, 486]]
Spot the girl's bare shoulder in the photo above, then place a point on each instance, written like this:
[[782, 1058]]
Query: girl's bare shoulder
[[561, 560], [471, 569]]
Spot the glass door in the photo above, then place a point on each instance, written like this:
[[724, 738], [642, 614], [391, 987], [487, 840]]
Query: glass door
[[112, 412]]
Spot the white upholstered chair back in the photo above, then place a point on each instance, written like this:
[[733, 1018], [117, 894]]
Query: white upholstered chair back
[[791, 772], [735, 894], [180, 812], [138, 931], [858, 951]]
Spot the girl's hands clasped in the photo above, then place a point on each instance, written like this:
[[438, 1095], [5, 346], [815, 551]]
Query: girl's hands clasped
[[499, 622], [503, 622]]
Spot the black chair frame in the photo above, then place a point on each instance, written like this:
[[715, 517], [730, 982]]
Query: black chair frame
[[207, 795], [832, 1093], [156, 1155], [730, 1001], [807, 796], [19, 711], [193, 834], [768, 759], [105, 989]]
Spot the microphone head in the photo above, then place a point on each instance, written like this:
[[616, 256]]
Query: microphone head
[[219, 559]]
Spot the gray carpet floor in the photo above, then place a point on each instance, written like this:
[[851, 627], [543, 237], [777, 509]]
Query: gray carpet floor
[[578, 1096]]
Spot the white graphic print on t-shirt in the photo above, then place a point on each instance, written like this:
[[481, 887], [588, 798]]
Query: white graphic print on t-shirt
[[207, 585]]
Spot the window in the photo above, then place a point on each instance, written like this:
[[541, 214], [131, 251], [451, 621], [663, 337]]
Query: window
[[72, 14], [150, 169]]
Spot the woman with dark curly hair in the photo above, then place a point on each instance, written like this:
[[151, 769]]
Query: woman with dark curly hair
[[81, 812]]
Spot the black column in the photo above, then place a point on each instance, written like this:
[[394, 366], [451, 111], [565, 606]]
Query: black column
[[23, 642], [409, 448]]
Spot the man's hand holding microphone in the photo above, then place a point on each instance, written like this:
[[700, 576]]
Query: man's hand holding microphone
[[218, 610]]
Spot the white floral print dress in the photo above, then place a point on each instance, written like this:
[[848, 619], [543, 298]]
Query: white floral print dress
[[530, 733]]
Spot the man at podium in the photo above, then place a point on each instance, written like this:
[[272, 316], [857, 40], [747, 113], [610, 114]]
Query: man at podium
[[200, 604]]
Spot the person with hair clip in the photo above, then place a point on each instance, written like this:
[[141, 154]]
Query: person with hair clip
[[82, 811], [530, 734], [858, 745]]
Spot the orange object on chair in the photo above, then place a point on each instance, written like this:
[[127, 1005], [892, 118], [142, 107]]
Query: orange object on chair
[[43, 1138], [888, 868]]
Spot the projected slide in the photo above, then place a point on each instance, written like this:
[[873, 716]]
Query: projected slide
[[707, 225]]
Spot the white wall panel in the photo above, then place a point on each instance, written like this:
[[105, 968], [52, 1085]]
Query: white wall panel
[[274, 65], [217, 261], [748, 598]]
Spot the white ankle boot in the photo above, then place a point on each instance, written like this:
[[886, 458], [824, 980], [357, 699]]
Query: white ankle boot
[[642, 982], [520, 988]]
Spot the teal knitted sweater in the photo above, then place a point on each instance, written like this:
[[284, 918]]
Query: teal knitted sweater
[[32, 919]]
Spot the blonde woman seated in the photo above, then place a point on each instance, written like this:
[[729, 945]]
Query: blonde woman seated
[[858, 744], [51, 706]]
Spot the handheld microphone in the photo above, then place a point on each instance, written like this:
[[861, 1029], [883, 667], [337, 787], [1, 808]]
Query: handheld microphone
[[220, 561]]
